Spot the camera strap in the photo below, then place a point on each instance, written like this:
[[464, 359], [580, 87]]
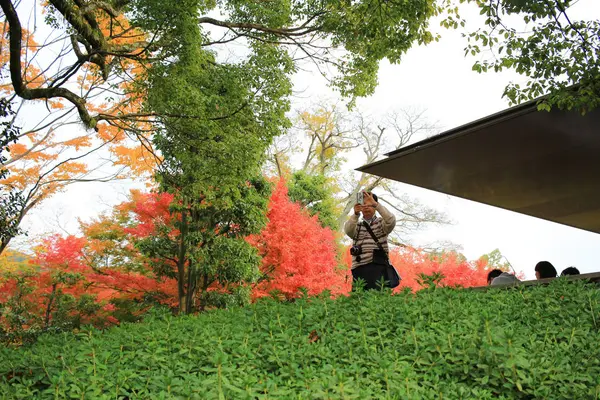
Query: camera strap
[[357, 234], [366, 224]]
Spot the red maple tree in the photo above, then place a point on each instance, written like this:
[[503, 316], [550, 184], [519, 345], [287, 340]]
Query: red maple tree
[[57, 288], [298, 253], [456, 270]]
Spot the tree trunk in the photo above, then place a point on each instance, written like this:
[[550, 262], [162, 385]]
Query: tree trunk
[[49, 307], [278, 164], [25, 208], [181, 265], [4, 243], [191, 289], [205, 285]]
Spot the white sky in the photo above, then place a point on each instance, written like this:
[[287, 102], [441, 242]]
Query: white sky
[[437, 78]]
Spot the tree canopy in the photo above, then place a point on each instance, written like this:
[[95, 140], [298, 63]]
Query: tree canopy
[[97, 33], [560, 55], [100, 64]]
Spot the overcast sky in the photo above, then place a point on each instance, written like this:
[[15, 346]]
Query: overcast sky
[[437, 78]]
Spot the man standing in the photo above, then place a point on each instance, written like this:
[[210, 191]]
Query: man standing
[[364, 266]]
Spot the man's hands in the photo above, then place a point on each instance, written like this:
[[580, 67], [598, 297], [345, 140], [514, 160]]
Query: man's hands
[[369, 201], [368, 207]]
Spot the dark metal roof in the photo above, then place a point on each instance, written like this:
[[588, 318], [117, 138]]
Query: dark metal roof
[[538, 163]]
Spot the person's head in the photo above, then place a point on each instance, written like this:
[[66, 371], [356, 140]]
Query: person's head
[[492, 274], [570, 271], [369, 211], [545, 269]]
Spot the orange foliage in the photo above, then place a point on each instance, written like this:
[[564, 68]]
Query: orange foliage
[[456, 269], [32, 75], [60, 271], [61, 268], [150, 209], [110, 240], [46, 159]]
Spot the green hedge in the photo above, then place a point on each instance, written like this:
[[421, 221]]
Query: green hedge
[[528, 343]]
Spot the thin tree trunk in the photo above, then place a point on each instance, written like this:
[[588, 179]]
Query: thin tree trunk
[[4, 243], [191, 286], [181, 265], [24, 210], [49, 307], [205, 284], [278, 164]]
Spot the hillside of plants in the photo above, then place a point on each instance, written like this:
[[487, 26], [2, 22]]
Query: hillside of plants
[[440, 343]]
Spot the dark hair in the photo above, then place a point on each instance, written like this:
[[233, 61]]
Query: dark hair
[[546, 269], [492, 274], [570, 271], [374, 196]]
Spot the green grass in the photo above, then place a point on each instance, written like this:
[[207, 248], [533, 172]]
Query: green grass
[[533, 343]]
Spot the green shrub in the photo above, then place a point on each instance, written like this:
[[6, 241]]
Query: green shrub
[[526, 343]]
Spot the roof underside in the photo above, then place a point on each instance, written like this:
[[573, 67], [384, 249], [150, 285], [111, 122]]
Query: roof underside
[[542, 164]]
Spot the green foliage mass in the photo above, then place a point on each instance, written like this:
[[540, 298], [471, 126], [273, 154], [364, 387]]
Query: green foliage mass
[[315, 194], [495, 259], [524, 343]]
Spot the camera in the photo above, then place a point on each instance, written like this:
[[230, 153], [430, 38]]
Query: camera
[[360, 198], [356, 250]]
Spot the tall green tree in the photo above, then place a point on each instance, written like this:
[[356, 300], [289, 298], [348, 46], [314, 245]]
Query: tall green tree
[[217, 120], [540, 39]]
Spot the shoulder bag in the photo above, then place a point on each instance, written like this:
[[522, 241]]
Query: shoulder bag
[[381, 257]]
